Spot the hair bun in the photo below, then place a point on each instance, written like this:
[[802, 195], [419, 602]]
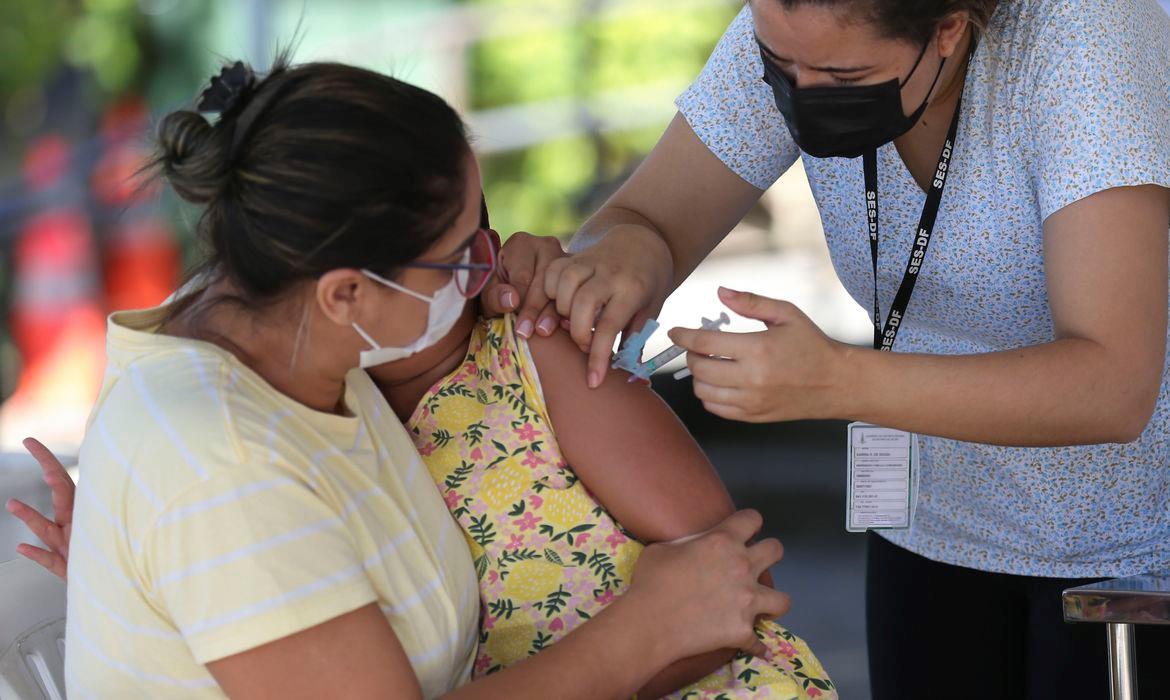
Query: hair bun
[[192, 156]]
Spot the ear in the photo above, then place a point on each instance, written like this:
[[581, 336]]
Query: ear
[[340, 294], [950, 32]]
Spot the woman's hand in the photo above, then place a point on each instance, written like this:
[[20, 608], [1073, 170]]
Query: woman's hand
[[789, 371], [705, 591], [524, 259], [611, 287], [55, 533]]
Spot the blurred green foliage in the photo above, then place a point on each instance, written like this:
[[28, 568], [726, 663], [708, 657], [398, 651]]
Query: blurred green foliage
[[551, 187], [635, 48], [102, 37], [166, 48]]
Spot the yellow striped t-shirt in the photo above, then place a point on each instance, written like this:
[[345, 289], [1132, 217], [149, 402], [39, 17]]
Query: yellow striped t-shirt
[[214, 514]]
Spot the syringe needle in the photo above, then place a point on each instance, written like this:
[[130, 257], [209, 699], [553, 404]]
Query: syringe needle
[[655, 363]]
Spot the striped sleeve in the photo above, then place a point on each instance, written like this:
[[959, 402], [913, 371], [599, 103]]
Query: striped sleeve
[[244, 558]]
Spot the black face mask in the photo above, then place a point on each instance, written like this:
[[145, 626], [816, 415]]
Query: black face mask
[[844, 122]]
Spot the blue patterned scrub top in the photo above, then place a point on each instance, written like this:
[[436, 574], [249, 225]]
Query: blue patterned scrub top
[[1063, 98]]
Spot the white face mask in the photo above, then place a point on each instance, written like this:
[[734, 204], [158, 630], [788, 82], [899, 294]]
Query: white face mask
[[445, 308]]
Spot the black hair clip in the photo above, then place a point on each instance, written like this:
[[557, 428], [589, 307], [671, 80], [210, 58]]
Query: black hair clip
[[227, 90]]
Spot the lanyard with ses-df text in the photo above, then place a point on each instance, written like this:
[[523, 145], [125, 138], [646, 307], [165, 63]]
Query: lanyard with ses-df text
[[883, 338]]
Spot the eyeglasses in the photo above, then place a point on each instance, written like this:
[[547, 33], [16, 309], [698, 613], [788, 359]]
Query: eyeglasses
[[473, 271]]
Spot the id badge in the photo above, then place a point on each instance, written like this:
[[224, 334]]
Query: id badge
[[883, 469]]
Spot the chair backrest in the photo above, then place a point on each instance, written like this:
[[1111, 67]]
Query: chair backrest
[[32, 633]]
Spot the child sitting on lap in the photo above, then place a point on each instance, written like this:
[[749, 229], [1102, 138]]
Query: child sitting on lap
[[557, 487]]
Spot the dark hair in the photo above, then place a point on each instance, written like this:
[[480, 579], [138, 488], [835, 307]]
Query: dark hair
[[912, 20], [312, 168]]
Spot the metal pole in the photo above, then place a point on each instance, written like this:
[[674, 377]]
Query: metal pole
[[259, 23], [1122, 662]]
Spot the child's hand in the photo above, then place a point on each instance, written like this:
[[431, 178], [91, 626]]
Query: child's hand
[[55, 533]]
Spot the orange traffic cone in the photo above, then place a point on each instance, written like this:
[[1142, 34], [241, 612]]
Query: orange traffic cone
[[57, 321], [141, 255]]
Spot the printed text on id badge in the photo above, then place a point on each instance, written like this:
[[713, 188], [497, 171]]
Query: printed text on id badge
[[882, 462]]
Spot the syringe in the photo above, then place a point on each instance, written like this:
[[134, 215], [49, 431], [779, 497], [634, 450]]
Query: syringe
[[658, 361]]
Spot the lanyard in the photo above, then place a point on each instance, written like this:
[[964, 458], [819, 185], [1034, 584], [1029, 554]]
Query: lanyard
[[883, 338]]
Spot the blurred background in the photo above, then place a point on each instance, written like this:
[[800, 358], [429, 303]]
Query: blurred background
[[564, 97]]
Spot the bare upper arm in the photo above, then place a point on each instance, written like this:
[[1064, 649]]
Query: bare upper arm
[[628, 448], [1106, 265], [355, 655], [686, 193]]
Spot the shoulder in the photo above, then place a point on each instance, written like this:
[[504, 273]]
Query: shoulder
[[1065, 37], [169, 419], [558, 370], [732, 75], [496, 348], [556, 359], [732, 111], [1093, 92], [1053, 19], [739, 41], [180, 379], [177, 394]]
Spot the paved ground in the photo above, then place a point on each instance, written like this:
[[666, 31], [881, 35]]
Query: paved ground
[[794, 474]]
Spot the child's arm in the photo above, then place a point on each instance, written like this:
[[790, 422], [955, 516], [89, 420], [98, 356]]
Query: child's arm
[[628, 448], [637, 459]]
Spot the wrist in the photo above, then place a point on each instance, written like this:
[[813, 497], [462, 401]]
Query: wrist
[[643, 242], [848, 384], [646, 626]]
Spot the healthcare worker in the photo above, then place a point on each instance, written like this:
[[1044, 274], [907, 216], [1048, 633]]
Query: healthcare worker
[[992, 178]]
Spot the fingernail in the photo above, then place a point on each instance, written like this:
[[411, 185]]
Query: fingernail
[[510, 299], [547, 326], [728, 292], [10, 506], [525, 329], [594, 380]]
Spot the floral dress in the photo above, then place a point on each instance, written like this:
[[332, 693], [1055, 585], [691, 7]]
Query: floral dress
[[547, 554]]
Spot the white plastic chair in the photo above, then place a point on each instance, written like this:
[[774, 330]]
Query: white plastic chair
[[32, 632]]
